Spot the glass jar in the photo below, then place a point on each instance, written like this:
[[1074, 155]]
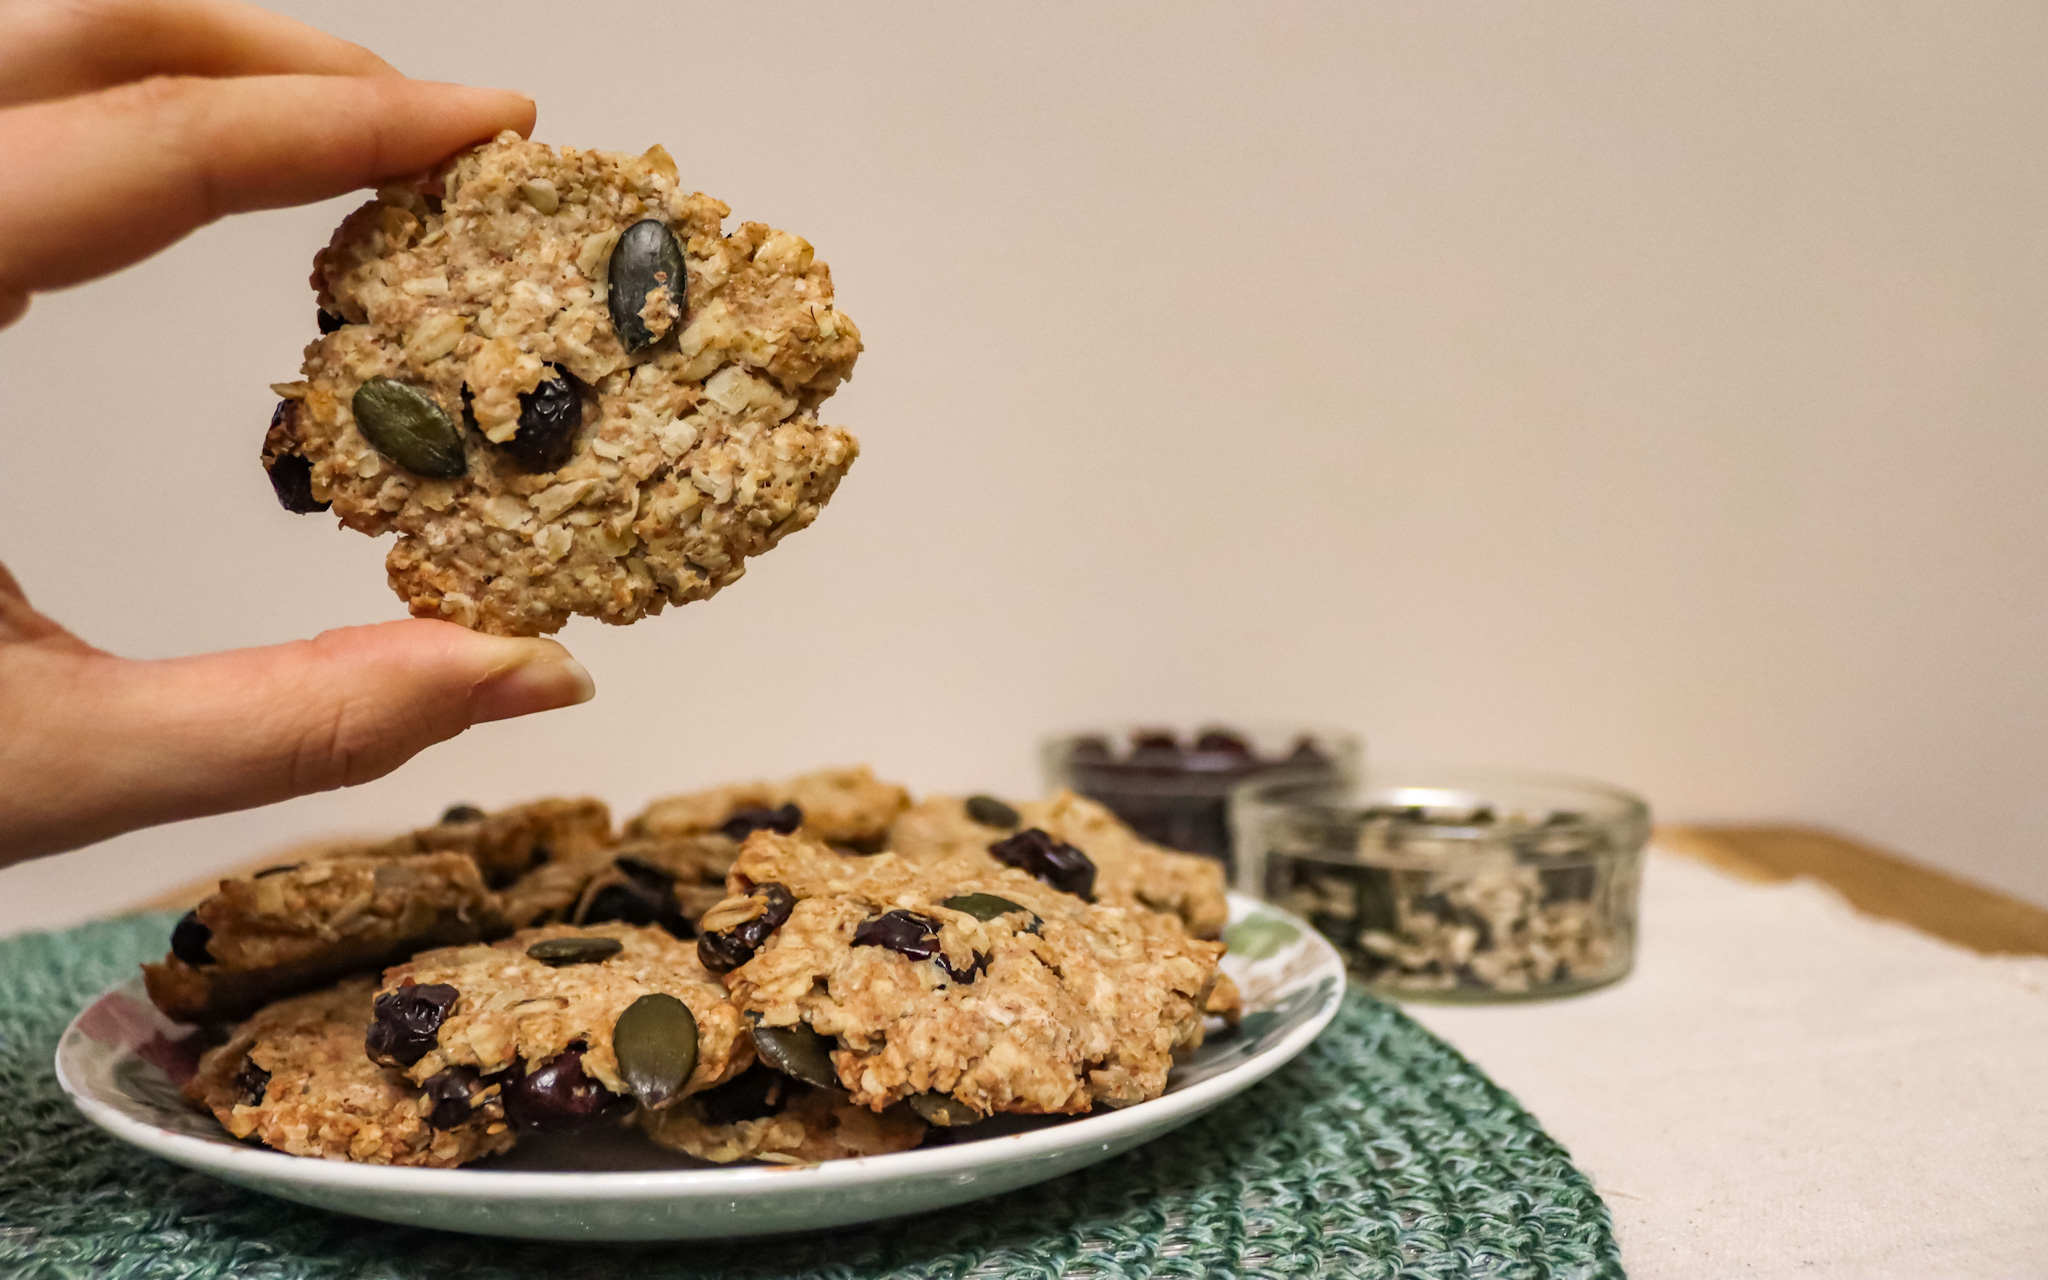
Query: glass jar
[[1174, 788], [1453, 884]]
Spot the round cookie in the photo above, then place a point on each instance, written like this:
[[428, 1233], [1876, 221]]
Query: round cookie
[[294, 1078], [510, 378], [961, 986], [553, 1010]]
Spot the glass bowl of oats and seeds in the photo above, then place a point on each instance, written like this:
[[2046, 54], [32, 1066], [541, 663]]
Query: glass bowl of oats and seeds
[[1453, 884]]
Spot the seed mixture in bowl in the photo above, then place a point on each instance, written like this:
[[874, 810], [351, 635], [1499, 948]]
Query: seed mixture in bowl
[[748, 972], [564, 387]]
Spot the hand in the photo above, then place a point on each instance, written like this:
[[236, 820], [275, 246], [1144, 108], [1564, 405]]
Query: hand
[[124, 125]]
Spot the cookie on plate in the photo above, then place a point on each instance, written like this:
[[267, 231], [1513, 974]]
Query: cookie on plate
[[962, 986], [766, 1116], [1128, 868], [360, 906], [848, 807], [579, 1022], [294, 1077], [565, 387]]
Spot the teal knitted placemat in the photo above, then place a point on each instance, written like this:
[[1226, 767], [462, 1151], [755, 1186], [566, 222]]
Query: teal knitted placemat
[[1379, 1152]]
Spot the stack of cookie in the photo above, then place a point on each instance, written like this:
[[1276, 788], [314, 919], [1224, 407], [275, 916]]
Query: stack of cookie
[[785, 972]]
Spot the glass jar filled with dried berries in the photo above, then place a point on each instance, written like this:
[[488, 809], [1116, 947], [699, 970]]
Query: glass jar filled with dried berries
[[1453, 884], [1173, 786]]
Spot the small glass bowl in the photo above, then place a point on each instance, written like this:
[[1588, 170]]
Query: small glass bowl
[[1453, 884], [1174, 788]]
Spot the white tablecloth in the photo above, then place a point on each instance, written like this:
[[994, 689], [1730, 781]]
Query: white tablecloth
[[1785, 1087]]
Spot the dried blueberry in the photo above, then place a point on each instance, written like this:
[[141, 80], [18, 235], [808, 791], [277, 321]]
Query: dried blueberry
[[462, 813], [558, 953], [797, 1052], [189, 938], [646, 258], [746, 822], [1058, 864], [655, 1041], [550, 417], [291, 479], [728, 950], [408, 427], [904, 932], [452, 1093], [975, 968], [1306, 753], [251, 1082], [991, 812], [328, 321], [1155, 749], [750, 1095], [557, 1095], [290, 472], [1092, 749], [406, 1022], [645, 894], [1223, 742]]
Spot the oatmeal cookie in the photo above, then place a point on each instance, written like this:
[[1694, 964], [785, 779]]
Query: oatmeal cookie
[[1128, 867], [839, 806], [294, 1077], [624, 1012], [565, 388], [268, 935], [764, 1115], [961, 985], [361, 905]]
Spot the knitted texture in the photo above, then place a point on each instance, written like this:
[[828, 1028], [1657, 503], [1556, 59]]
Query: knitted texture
[[1379, 1152]]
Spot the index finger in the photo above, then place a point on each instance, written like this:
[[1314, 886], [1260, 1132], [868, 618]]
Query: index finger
[[93, 183], [57, 48]]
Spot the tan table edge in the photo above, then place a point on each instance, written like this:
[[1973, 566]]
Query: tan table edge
[[1876, 883]]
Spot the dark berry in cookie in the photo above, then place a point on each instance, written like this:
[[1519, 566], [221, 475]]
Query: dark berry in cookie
[[904, 932], [722, 952], [1055, 862], [558, 1095], [746, 822], [754, 1093], [404, 1023], [550, 416], [251, 1082], [453, 1095], [189, 938]]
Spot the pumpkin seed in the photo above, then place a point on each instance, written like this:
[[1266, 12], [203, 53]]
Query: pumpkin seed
[[943, 1109], [646, 258], [406, 426], [991, 812], [655, 1041], [557, 952], [983, 906], [797, 1052]]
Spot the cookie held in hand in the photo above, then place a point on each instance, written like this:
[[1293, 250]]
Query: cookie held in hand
[[565, 388]]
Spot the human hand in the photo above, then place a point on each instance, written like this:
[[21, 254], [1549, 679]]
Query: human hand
[[125, 125]]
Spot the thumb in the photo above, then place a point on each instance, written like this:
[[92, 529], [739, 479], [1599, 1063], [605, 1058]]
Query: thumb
[[92, 745]]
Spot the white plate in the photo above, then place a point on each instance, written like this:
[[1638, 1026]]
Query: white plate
[[116, 1060]]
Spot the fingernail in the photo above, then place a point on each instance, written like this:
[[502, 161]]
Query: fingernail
[[541, 676]]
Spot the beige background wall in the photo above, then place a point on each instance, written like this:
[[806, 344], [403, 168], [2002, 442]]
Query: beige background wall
[[1653, 392]]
